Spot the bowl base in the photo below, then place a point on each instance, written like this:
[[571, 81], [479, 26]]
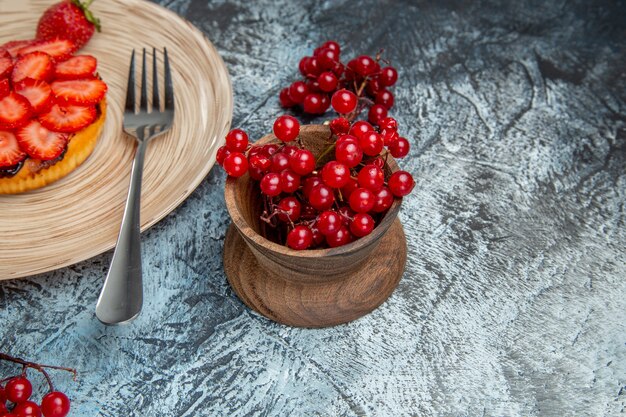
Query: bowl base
[[316, 304]]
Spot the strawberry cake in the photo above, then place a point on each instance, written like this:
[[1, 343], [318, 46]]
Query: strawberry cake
[[52, 102]]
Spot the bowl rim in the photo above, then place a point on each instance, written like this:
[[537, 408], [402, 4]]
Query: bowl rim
[[250, 234]]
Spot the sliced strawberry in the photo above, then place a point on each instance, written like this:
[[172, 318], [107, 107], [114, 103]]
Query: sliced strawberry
[[68, 118], [38, 93], [5, 88], [85, 92], [15, 111], [13, 47], [6, 63], [58, 49], [41, 143], [35, 65], [79, 66], [10, 152]]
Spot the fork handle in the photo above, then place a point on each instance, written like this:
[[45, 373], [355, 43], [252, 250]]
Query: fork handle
[[122, 294]]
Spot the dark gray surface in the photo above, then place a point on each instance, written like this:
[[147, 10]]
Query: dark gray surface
[[514, 297]]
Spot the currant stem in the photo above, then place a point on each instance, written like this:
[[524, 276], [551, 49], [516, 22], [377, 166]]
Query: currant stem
[[38, 367]]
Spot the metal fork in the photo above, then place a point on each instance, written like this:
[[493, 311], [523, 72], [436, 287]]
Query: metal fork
[[121, 298]]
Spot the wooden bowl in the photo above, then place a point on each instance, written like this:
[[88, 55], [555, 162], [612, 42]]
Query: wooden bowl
[[310, 288]]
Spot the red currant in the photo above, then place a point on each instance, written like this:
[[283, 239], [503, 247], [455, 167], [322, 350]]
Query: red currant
[[302, 162], [321, 197], [286, 128], [236, 164], [307, 212], [365, 65], [318, 237], [55, 404], [340, 238], [280, 161], [289, 150], [388, 76], [348, 152], [401, 183], [289, 181], [284, 98], [371, 143], [260, 161], [388, 123], [327, 58], [302, 65], [289, 209], [270, 149], [399, 148], [361, 200], [347, 189], [344, 101], [312, 67], [18, 389], [360, 127], [362, 225], [325, 103], [313, 103], [300, 238], [256, 173], [27, 409], [346, 138], [339, 126], [327, 81], [270, 184], [389, 136], [373, 87], [335, 174], [329, 222], [237, 140], [384, 98], [309, 183], [332, 45], [371, 177], [298, 91], [376, 113], [222, 153], [383, 199]]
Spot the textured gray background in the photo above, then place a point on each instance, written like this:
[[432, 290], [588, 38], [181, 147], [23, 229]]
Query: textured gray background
[[514, 297]]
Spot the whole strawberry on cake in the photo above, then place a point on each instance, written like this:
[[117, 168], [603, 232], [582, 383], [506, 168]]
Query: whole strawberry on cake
[[52, 100]]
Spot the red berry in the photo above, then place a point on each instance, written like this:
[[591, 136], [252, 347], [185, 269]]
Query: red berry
[[55, 404], [289, 181], [285, 100], [309, 183], [308, 212], [298, 91], [321, 197], [365, 65], [362, 225], [313, 103], [259, 161], [286, 128], [340, 238], [383, 199], [327, 58], [327, 81], [289, 150], [289, 209], [270, 149], [379, 162], [371, 143], [346, 138], [373, 87], [401, 183], [399, 148], [302, 65], [388, 76], [27, 409], [236, 164], [329, 222], [256, 173], [270, 184], [324, 104], [360, 127], [371, 177], [348, 152], [344, 101], [222, 153], [389, 136], [280, 161], [312, 67], [318, 237], [347, 214], [335, 174], [300, 238], [18, 389], [302, 162], [332, 45], [384, 98], [237, 140], [347, 189], [340, 125], [376, 114], [388, 123], [361, 200]]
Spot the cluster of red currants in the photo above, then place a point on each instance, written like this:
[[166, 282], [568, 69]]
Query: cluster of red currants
[[325, 74], [17, 390], [331, 204]]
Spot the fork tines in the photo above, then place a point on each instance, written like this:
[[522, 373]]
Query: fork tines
[[131, 103]]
